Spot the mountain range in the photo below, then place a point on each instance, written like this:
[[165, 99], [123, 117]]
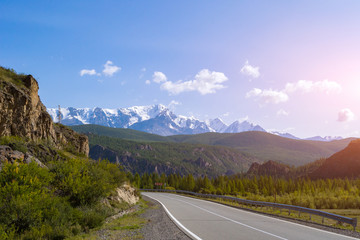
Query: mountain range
[[261, 146], [157, 119]]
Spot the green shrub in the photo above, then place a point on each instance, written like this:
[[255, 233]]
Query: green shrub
[[85, 182], [28, 205]]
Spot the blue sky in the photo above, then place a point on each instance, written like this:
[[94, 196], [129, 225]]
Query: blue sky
[[287, 65]]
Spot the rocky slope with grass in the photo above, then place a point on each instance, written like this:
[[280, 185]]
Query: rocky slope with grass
[[23, 114]]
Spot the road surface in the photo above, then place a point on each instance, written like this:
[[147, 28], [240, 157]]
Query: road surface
[[202, 219]]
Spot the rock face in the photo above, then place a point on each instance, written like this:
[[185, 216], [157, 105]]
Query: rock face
[[23, 114]]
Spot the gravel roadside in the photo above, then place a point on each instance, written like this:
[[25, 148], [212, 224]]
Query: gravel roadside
[[159, 225]]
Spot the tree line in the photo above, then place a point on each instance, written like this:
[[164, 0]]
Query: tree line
[[318, 194]]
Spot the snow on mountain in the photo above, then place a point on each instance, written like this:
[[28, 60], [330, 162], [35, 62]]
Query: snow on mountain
[[244, 126], [324, 139], [167, 123], [118, 118], [284, 134], [217, 125]]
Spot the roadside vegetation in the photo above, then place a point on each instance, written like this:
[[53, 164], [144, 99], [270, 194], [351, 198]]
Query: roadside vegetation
[[56, 202], [125, 227]]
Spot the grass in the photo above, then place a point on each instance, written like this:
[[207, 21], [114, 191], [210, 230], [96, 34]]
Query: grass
[[10, 75], [125, 227]]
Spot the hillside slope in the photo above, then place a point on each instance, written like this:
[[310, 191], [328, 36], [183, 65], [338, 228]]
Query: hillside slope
[[166, 157], [122, 133], [260, 145], [266, 146], [345, 163]]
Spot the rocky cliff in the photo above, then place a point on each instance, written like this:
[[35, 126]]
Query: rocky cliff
[[23, 114]]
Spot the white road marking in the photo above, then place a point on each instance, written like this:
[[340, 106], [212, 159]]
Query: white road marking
[[229, 219], [176, 221], [261, 215]]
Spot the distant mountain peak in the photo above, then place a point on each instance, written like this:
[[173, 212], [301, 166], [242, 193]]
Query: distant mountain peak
[[217, 125], [243, 126], [324, 139]]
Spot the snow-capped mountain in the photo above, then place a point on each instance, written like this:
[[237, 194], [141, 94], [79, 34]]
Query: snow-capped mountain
[[158, 119], [238, 126], [118, 118], [217, 125], [324, 139], [167, 123], [284, 134]]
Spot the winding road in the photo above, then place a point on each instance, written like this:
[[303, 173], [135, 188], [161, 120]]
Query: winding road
[[202, 219]]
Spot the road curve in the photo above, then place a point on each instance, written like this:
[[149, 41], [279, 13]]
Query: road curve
[[208, 220]]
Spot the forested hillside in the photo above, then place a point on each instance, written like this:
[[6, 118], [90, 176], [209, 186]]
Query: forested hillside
[[167, 157]]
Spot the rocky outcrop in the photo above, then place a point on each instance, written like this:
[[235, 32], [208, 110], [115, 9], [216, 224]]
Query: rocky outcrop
[[23, 114], [69, 137], [9, 155]]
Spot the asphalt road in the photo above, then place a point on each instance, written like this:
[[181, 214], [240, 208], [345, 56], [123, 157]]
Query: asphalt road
[[208, 220]]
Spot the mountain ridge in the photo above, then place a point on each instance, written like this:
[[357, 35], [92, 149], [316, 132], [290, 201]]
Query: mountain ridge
[[160, 120]]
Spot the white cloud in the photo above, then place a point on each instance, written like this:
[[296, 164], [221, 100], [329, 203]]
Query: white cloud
[[87, 72], [273, 96], [282, 112], [147, 82], [173, 104], [310, 86], [159, 77], [346, 115], [268, 95], [250, 71], [205, 82], [110, 69]]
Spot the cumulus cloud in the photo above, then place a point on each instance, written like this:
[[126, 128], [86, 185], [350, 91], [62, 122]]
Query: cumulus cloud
[[346, 115], [147, 82], [310, 86], [277, 96], [87, 72], [268, 95], [282, 112], [250, 71], [110, 69], [205, 82], [159, 77]]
